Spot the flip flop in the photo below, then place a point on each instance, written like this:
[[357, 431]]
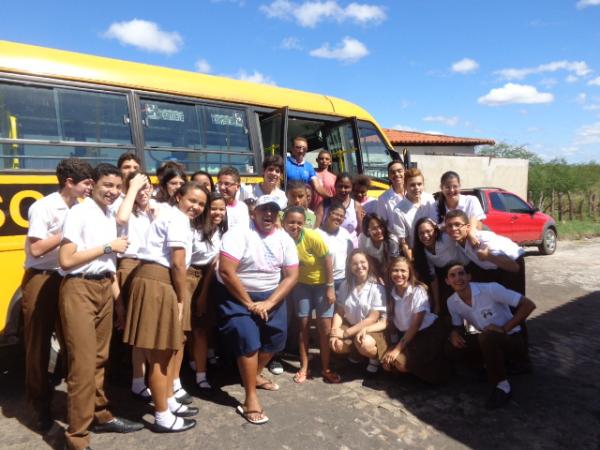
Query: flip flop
[[268, 385], [330, 377], [246, 415]]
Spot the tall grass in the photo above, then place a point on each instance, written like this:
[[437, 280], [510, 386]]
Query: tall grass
[[578, 229]]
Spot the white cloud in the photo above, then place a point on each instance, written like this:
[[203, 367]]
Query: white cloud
[[465, 65], [579, 68], [515, 93], [291, 43], [203, 66], [571, 78], [581, 98], [349, 50], [585, 3], [255, 77], [450, 121], [548, 82], [146, 36], [593, 107], [402, 127], [309, 13], [588, 134], [594, 82]]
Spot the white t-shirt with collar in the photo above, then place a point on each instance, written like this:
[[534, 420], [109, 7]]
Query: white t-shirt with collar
[[386, 204], [46, 218], [87, 226], [358, 305], [498, 245], [261, 257], [136, 231], [406, 214], [470, 205], [172, 229], [237, 215], [340, 245], [413, 301], [203, 252], [255, 191], [490, 305], [366, 244], [446, 251]]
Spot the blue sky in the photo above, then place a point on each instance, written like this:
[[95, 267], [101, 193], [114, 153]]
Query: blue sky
[[522, 72]]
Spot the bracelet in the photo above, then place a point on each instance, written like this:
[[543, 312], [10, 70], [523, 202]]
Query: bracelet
[[330, 284]]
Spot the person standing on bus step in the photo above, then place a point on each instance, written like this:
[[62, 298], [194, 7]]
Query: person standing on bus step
[[41, 281], [88, 261], [228, 184], [394, 195], [257, 268], [271, 185], [500, 338], [327, 177], [297, 169]]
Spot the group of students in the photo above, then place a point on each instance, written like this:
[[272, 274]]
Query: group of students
[[190, 264]]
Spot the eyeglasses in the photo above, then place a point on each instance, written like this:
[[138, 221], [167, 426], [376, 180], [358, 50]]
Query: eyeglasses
[[454, 226]]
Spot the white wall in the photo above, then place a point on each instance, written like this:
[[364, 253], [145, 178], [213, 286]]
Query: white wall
[[437, 149], [475, 171]]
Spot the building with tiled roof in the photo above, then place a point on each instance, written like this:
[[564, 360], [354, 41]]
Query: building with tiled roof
[[433, 144]]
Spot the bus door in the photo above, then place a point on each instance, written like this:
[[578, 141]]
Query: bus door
[[274, 130], [342, 141]]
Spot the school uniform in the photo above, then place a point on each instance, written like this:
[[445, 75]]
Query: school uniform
[[369, 206], [340, 246], [406, 214], [470, 205], [424, 353], [386, 204], [260, 259], [255, 191], [487, 271], [40, 288], [382, 255], [491, 304], [86, 310], [358, 304], [350, 222], [153, 312], [237, 215]]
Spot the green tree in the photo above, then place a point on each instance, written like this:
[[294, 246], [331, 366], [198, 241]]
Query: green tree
[[504, 150]]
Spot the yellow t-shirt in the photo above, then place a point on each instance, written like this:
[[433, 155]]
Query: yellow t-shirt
[[311, 252]]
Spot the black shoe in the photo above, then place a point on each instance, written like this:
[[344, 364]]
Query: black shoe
[[141, 397], [117, 425], [498, 399], [188, 424], [185, 399], [43, 421], [66, 447], [189, 411], [519, 368]]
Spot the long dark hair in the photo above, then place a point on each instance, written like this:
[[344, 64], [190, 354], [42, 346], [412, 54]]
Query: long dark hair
[[197, 222], [421, 265], [163, 194], [207, 231], [371, 273], [441, 201], [412, 281], [386, 233], [136, 207]]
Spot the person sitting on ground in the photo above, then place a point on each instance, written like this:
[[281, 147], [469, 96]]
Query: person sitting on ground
[[377, 242], [257, 268], [297, 169], [361, 303], [417, 339], [315, 290], [486, 307]]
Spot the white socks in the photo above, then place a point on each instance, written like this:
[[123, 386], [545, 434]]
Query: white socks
[[504, 386], [201, 380], [175, 406], [168, 419]]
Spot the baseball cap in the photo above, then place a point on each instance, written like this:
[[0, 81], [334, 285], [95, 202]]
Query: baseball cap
[[264, 200]]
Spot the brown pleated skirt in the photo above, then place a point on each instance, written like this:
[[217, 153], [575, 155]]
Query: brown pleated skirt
[[378, 337], [125, 269], [153, 314], [194, 284]]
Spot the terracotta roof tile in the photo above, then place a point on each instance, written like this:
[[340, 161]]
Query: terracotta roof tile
[[398, 137]]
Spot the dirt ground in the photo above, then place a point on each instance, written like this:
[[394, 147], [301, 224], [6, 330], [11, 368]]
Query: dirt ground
[[558, 406]]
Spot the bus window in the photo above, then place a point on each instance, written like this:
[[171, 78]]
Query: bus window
[[202, 137], [42, 125], [273, 130], [375, 153]]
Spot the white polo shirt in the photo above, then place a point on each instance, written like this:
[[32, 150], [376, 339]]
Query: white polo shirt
[[366, 244], [88, 226], [413, 301], [136, 231], [470, 205], [46, 218], [386, 204], [340, 245], [260, 257], [203, 252], [237, 215], [406, 214], [446, 251], [490, 305], [172, 229], [255, 191], [358, 305], [498, 245]]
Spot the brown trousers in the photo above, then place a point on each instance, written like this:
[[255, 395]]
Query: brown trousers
[[40, 320], [494, 349], [86, 310]]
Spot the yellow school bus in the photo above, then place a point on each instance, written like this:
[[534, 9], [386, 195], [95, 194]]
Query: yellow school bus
[[56, 104]]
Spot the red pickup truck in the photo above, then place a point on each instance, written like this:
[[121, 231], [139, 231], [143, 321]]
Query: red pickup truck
[[511, 216]]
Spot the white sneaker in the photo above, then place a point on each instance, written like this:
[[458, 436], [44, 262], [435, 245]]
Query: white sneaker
[[275, 367]]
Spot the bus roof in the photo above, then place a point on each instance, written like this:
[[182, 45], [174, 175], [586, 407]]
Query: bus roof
[[63, 65]]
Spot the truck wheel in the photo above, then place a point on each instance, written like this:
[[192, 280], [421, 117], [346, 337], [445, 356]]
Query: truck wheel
[[548, 245]]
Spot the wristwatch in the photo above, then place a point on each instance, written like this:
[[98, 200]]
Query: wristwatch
[[107, 249]]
